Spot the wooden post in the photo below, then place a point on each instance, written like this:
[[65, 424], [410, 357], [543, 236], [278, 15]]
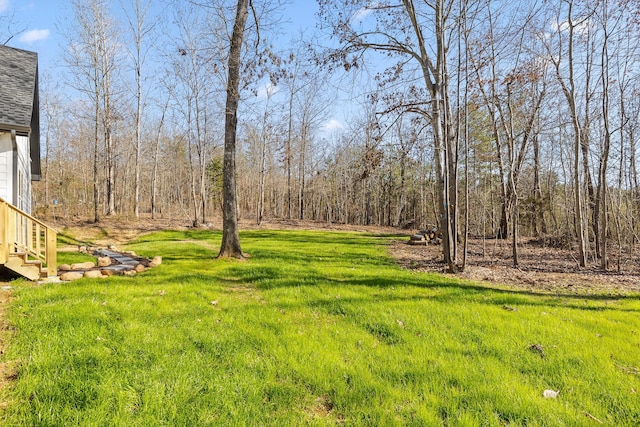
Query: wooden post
[[29, 243], [12, 233], [50, 257], [38, 237], [4, 235]]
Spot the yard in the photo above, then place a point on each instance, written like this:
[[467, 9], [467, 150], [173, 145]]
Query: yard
[[317, 327]]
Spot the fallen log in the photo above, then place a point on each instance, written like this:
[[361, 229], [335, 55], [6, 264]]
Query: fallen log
[[417, 242]]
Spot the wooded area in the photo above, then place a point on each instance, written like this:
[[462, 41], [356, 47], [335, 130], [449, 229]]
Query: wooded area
[[482, 118]]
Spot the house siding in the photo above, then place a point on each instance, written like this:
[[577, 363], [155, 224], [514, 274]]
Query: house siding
[[23, 177], [19, 126], [6, 167]]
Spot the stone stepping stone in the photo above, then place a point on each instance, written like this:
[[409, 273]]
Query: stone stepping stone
[[119, 268], [122, 259]]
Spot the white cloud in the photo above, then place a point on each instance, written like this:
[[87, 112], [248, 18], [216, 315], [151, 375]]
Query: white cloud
[[559, 27], [34, 35], [4, 5], [361, 13], [332, 125], [581, 27], [365, 11], [267, 90]]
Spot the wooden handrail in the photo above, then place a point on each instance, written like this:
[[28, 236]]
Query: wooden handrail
[[20, 232]]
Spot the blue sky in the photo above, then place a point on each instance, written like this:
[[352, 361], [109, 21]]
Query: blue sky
[[41, 20]]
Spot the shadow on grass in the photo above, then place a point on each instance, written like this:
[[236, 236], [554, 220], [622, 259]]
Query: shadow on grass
[[319, 260], [176, 235], [265, 236], [269, 278], [306, 237], [468, 294], [362, 259]]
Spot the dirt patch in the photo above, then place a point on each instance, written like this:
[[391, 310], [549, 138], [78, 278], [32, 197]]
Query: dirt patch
[[541, 268], [322, 407], [112, 230]]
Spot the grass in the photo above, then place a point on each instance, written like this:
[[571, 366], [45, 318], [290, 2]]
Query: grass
[[316, 328], [74, 257]]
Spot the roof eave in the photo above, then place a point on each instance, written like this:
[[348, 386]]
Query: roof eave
[[8, 127]]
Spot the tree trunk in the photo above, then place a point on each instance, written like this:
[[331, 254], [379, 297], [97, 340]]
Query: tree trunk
[[569, 90], [136, 192], [537, 216], [288, 156], [230, 235], [156, 154], [514, 228], [301, 177], [604, 157], [261, 176], [96, 191]]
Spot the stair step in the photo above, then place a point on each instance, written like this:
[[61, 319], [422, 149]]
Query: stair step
[[18, 263]]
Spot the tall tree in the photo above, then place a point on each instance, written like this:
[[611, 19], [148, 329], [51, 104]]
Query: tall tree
[[415, 31], [230, 234], [91, 56], [192, 73], [565, 51], [511, 82], [140, 29], [306, 90]]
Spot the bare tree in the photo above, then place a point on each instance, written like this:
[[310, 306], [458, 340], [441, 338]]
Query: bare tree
[[306, 104], [192, 73], [52, 112], [415, 31], [8, 23], [141, 30], [156, 157], [601, 197], [91, 57], [569, 87], [230, 235]]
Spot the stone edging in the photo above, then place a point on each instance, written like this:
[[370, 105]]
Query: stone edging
[[109, 263]]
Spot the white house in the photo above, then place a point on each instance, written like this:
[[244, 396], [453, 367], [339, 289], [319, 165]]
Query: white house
[[19, 126], [27, 246]]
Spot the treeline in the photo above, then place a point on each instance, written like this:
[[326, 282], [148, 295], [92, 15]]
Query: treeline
[[484, 118]]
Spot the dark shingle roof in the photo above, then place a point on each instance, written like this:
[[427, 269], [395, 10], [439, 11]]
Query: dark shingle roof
[[19, 102], [18, 74]]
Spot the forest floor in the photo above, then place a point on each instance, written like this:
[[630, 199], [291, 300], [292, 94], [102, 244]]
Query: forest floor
[[543, 267]]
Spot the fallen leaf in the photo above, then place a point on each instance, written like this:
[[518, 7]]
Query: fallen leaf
[[537, 348], [593, 418]]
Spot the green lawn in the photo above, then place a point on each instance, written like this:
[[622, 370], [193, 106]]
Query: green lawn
[[316, 328]]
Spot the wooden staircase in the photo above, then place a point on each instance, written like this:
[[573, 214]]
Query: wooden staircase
[[27, 246]]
